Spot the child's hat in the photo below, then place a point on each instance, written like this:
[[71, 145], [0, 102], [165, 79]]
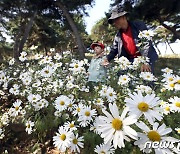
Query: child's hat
[[93, 45]]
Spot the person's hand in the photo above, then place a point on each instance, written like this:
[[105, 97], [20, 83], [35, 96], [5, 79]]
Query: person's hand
[[145, 68], [105, 62]]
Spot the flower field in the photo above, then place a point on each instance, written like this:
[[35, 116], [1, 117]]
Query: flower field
[[47, 103]]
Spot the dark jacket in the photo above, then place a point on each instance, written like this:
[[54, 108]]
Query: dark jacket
[[117, 47]]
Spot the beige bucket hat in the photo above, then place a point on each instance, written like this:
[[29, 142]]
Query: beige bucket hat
[[116, 13]]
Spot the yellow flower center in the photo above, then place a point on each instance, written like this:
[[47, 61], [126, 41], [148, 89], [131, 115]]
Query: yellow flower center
[[46, 71], [75, 141], [178, 81], [167, 108], [142, 106], [70, 105], [87, 113], [102, 152], [78, 109], [63, 137], [154, 136], [177, 104], [124, 79], [17, 108], [172, 85], [171, 79], [117, 124], [76, 66], [110, 94], [71, 125], [28, 125], [98, 101], [62, 103], [148, 76]]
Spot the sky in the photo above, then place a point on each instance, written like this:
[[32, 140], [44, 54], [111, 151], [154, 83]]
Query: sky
[[96, 13]]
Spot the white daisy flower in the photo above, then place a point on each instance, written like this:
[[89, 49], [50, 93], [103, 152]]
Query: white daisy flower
[[104, 149], [47, 71], [15, 89], [114, 127], [23, 56], [156, 134], [95, 125], [148, 76], [175, 106], [76, 66], [63, 139], [33, 98], [47, 59], [70, 125], [178, 130], [168, 77], [16, 108], [26, 81], [99, 102], [166, 107], [12, 61], [5, 119], [123, 63], [62, 102], [77, 108], [29, 125], [2, 77], [144, 89], [111, 94], [167, 70], [36, 84], [144, 105], [57, 56], [146, 34], [1, 134], [38, 56], [76, 143], [103, 91], [169, 85], [86, 115], [123, 80], [57, 113]]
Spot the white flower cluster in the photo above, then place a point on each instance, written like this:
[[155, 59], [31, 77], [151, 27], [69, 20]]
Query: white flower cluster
[[112, 110]]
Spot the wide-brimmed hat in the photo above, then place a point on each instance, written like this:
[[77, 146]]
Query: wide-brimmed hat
[[116, 13], [93, 45]]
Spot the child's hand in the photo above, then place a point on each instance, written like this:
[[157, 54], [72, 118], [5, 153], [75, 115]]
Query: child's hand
[[105, 62]]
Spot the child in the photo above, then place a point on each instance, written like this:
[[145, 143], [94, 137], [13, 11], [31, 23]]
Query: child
[[96, 71]]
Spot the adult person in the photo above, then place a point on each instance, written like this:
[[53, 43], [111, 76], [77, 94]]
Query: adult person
[[126, 40]]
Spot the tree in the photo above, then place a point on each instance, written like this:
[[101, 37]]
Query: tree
[[23, 13]]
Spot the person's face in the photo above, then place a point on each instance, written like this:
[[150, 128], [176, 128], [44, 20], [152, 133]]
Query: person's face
[[98, 50], [120, 23]]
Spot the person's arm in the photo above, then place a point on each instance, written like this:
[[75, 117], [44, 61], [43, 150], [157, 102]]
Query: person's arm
[[114, 49], [113, 52]]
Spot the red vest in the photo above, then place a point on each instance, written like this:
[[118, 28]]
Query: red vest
[[129, 44]]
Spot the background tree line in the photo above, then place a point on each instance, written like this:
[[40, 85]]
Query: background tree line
[[59, 24]]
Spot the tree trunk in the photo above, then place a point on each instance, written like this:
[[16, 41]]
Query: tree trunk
[[16, 44], [81, 47], [26, 33]]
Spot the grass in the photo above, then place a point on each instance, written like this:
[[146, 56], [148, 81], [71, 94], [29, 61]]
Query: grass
[[170, 62]]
